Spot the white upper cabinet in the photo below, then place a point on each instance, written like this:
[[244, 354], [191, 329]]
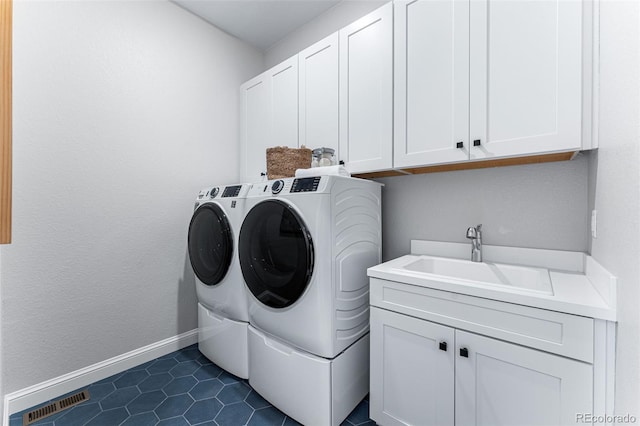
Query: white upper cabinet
[[283, 81], [431, 82], [525, 76], [318, 95], [366, 92], [269, 117], [487, 79], [423, 82], [254, 128]]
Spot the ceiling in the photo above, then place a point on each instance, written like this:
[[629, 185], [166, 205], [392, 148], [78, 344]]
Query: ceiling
[[260, 23]]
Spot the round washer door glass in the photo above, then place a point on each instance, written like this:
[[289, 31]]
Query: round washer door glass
[[276, 253], [210, 243]]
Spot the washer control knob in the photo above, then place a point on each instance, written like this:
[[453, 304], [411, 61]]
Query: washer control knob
[[214, 192], [277, 187]]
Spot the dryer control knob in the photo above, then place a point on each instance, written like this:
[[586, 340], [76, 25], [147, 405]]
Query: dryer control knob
[[277, 187], [214, 192]]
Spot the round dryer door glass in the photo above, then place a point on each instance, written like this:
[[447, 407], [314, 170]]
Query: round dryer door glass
[[210, 243], [276, 253]]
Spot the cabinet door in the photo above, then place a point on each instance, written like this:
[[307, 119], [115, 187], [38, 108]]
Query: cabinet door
[[366, 92], [431, 91], [283, 83], [501, 383], [254, 128], [411, 376], [318, 106], [525, 77]]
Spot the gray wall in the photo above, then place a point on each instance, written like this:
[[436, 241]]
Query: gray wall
[[615, 185], [538, 205], [122, 112]]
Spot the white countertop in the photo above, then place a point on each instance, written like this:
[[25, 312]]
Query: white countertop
[[580, 285]]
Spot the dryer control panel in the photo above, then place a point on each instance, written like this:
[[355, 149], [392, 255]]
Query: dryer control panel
[[290, 186], [305, 184]]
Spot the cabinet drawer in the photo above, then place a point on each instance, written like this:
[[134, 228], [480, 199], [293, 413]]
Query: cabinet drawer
[[562, 334]]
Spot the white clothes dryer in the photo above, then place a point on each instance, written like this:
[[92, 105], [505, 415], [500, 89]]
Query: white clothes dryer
[[304, 249], [222, 301]]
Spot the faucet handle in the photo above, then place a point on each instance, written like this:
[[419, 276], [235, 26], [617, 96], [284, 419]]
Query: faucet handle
[[472, 232]]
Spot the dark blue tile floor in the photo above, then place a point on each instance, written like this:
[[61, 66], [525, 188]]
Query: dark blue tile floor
[[181, 388]]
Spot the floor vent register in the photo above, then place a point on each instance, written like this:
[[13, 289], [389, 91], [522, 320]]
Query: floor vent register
[[54, 407]]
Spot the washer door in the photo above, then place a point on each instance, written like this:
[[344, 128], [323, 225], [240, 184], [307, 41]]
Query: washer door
[[276, 253], [210, 243]]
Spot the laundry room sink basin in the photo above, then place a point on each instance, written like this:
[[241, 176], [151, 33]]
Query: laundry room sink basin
[[511, 277]]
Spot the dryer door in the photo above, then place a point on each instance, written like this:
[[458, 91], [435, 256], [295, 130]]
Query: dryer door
[[276, 253], [210, 243]]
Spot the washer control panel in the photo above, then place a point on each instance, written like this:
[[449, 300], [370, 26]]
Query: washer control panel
[[231, 191]]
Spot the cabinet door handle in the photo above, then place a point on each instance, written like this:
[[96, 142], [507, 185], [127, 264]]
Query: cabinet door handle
[[443, 346], [476, 142], [464, 352], [460, 145]]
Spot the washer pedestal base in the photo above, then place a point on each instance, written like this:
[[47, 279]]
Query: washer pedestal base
[[309, 389], [223, 341]]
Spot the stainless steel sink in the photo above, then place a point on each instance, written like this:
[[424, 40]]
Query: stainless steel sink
[[511, 277]]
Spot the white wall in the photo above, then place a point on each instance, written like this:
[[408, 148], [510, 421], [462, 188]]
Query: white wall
[[615, 185], [538, 205], [122, 112], [329, 22]]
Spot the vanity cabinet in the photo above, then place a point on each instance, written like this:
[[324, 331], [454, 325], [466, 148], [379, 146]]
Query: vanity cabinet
[[444, 358], [268, 117], [423, 373], [366, 92], [490, 78]]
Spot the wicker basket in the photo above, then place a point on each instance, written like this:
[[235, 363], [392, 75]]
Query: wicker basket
[[282, 162]]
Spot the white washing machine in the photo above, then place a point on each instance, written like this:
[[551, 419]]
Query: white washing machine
[[304, 248], [222, 302]]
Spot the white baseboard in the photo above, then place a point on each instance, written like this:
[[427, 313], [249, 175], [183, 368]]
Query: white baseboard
[[45, 391]]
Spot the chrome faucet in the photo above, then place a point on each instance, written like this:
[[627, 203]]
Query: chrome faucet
[[475, 235]]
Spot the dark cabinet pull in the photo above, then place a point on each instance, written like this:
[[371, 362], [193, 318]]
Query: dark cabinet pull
[[460, 145], [464, 352], [476, 142], [443, 346]]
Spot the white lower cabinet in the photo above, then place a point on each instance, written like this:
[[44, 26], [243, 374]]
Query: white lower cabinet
[[412, 379], [423, 373]]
